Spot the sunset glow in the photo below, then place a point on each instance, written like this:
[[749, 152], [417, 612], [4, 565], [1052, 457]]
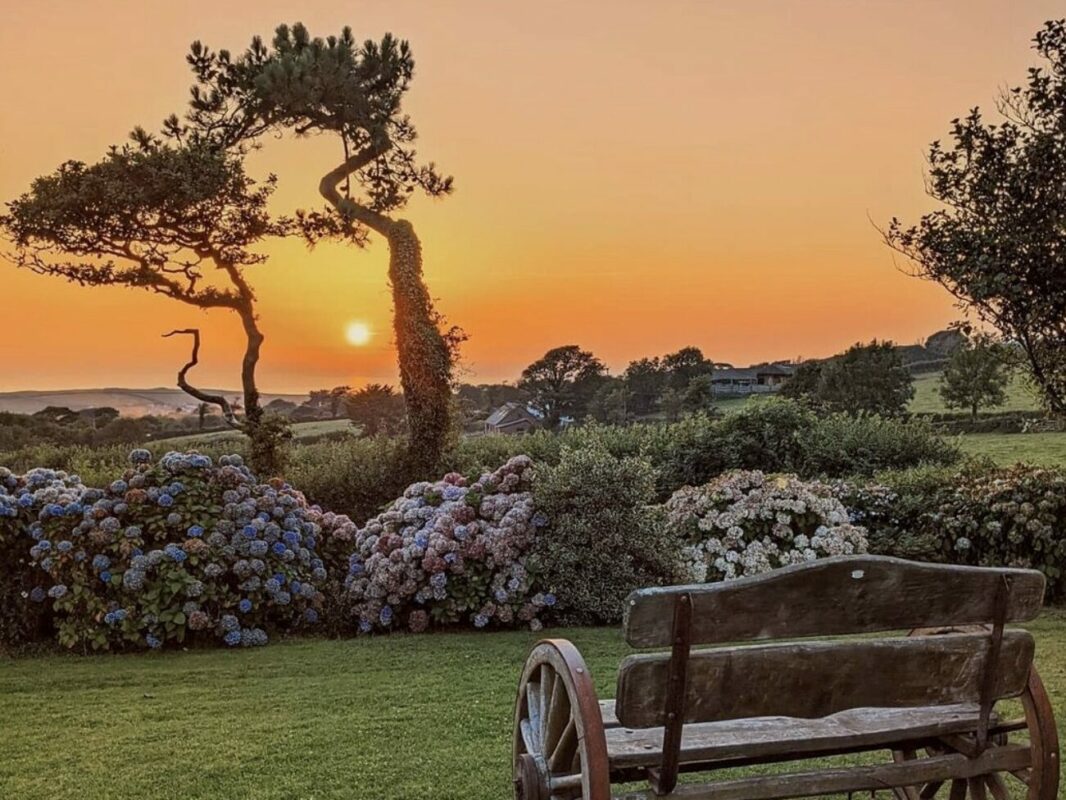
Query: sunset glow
[[357, 333], [630, 177]]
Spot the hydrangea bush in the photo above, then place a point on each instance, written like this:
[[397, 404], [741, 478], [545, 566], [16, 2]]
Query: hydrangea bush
[[982, 515], [452, 551], [746, 522], [178, 547]]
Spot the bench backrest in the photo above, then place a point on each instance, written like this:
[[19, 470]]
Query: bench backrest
[[838, 596], [834, 596]]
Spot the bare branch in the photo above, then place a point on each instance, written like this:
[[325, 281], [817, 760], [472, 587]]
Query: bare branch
[[199, 394]]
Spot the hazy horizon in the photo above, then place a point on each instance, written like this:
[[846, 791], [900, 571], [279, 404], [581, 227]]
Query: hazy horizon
[[631, 178]]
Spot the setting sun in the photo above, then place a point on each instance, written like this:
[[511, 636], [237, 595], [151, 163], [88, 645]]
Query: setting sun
[[357, 333]]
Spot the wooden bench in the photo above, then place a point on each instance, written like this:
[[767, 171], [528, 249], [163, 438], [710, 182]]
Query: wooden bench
[[928, 700]]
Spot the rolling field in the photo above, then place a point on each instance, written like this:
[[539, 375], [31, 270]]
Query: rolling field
[[300, 430], [1020, 396], [1046, 449]]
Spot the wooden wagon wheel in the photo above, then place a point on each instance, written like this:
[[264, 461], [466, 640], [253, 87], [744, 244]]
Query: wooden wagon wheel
[[560, 752], [1037, 725]]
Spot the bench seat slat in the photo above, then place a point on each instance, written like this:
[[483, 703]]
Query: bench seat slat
[[834, 596], [771, 736], [816, 679]]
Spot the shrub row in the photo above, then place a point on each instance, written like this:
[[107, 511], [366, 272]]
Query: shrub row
[[981, 515], [187, 549], [358, 477]]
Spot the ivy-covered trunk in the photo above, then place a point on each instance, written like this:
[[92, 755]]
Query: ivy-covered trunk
[[424, 355]]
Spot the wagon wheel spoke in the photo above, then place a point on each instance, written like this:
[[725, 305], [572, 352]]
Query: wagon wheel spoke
[[918, 791], [997, 786], [1021, 775], [559, 748], [958, 789]]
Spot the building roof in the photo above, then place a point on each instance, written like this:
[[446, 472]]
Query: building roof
[[509, 414]]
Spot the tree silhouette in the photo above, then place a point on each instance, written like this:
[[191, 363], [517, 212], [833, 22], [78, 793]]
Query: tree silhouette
[[998, 243], [173, 216], [562, 382], [353, 91]]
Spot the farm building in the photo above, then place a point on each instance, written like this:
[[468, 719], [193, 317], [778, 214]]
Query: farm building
[[761, 379], [511, 418]]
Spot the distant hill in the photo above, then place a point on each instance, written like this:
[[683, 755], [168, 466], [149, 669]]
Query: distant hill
[[129, 402]]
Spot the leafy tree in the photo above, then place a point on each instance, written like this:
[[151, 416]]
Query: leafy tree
[[866, 379], [998, 244], [976, 375], [561, 382], [805, 381], [178, 219], [684, 365], [645, 381], [354, 92], [672, 403], [610, 402], [376, 408], [338, 396], [699, 394], [281, 406]]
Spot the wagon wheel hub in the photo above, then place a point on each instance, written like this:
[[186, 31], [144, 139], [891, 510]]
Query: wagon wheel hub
[[532, 780]]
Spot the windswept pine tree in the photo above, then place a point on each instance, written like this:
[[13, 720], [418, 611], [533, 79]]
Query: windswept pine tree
[[177, 216], [353, 91]]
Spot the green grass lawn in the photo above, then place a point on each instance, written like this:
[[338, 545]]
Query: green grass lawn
[[400, 717], [300, 430], [1020, 396], [1046, 449]]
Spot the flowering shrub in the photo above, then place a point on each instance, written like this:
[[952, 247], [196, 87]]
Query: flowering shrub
[[981, 516], [171, 548], [446, 552], [744, 523], [603, 537]]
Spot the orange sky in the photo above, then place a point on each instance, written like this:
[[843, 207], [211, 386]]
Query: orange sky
[[631, 177]]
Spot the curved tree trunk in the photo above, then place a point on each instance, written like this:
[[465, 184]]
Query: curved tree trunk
[[253, 412], [424, 355], [425, 358]]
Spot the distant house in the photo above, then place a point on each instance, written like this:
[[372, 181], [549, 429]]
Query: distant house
[[511, 418], [760, 379]]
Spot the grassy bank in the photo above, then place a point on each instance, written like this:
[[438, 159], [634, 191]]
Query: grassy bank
[[400, 717], [1047, 449]]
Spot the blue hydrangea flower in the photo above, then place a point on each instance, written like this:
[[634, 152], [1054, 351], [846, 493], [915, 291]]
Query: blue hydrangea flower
[[386, 615], [310, 616], [175, 553], [230, 623], [153, 642], [165, 500], [195, 531], [38, 594], [57, 591], [64, 546], [233, 637], [480, 621], [105, 576], [245, 605], [140, 456], [549, 600], [100, 562]]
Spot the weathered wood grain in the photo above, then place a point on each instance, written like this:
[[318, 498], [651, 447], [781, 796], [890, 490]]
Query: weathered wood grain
[[849, 779], [815, 679], [843, 595], [766, 737]]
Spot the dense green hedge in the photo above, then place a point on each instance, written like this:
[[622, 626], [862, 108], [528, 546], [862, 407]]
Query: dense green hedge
[[358, 477], [980, 515]]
